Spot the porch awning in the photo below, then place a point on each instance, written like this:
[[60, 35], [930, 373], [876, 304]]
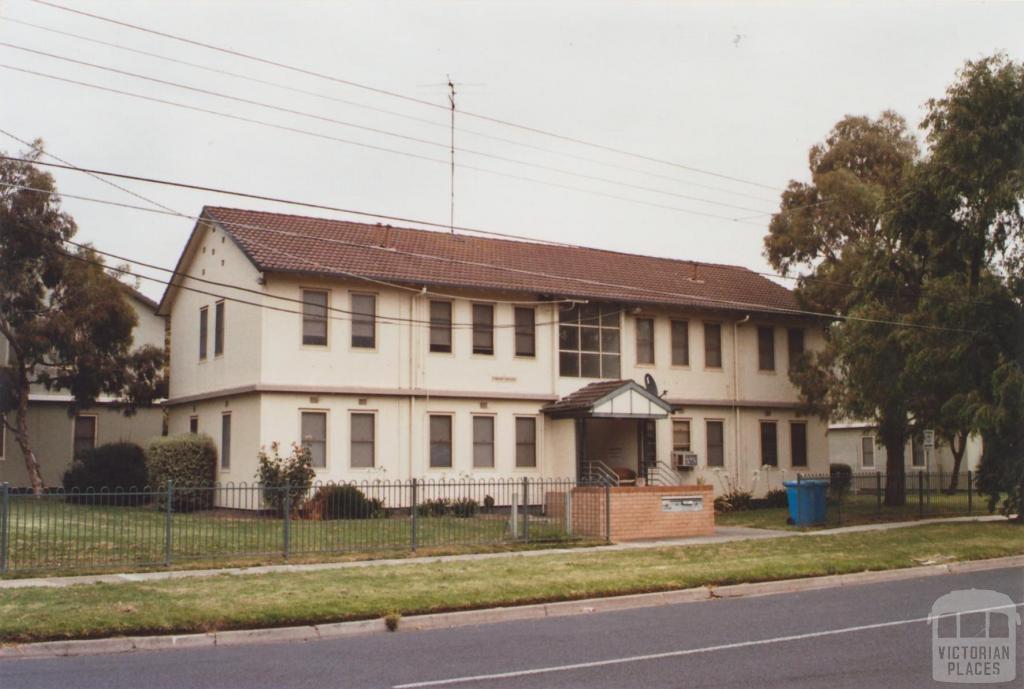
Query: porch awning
[[609, 399]]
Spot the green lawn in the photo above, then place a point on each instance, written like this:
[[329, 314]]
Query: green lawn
[[53, 535], [231, 602]]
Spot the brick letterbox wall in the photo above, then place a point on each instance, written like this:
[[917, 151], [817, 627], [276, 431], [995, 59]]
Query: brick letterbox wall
[[637, 512]]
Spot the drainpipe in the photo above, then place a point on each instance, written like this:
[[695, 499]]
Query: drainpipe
[[736, 395]]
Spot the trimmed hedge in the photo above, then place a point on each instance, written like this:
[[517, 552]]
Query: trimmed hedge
[[190, 461], [110, 466]]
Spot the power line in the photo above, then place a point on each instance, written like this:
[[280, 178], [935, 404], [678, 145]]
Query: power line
[[386, 111], [385, 149], [377, 130], [734, 304], [393, 94]]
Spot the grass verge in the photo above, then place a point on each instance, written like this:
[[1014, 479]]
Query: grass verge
[[272, 600]]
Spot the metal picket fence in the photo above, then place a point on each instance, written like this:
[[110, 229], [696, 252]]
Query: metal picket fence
[[859, 497], [145, 527]]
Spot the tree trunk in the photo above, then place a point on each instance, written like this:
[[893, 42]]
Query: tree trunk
[[958, 457], [21, 435], [895, 474]]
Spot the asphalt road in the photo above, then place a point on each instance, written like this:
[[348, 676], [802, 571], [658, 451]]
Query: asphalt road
[[858, 637]]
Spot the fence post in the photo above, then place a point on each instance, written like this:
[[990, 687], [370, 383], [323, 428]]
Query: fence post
[[413, 509], [878, 492], [608, 512], [970, 491], [167, 523], [5, 521], [526, 509], [920, 494], [287, 517], [568, 511], [513, 509], [799, 493]]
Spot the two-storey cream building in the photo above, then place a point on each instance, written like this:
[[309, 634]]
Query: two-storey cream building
[[399, 353]]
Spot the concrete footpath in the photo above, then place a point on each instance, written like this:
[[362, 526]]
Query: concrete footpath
[[723, 534]]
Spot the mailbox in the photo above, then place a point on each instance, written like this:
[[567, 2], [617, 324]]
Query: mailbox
[[682, 503]]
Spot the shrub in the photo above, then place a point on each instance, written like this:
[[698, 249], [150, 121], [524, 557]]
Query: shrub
[[465, 507], [733, 501], [275, 472], [110, 466], [489, 503], [436, 507], [773, 498], [344, 501], [840, 479], [190, 461]]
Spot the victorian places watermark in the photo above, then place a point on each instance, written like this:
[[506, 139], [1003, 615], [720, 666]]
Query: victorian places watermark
[[974, 637]]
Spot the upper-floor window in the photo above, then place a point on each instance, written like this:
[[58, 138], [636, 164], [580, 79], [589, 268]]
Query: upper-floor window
[[769, 444], [526, 344], [440, 441], [218, 328], [483, 329], [204, 328], [314, 436], [796, 346], [225, 442], [681, 435], [680, 343], [713, 345], [526, 441], [765, 348], [362, 440], [364, 321], [440, 326], [798, 443], [645, 340], [483, 442], [85, 434], [588, 341], [314, 317], [716, 443]]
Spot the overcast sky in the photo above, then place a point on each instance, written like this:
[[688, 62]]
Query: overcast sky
[[739, 89]]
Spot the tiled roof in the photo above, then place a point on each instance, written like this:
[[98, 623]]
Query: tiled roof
[[287, 243], [585, 397]]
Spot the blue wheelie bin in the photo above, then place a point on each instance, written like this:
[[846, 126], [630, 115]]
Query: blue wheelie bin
[[807, 500]]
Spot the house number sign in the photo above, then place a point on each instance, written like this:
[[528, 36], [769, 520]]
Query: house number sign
[[682, 503]]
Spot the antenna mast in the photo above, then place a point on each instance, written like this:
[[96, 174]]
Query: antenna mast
[[451, 182]]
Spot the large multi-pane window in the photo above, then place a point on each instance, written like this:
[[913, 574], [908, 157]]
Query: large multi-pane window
[[588, 341], [85, 434], [645, 340], [867, 451], [218, 328], [526, 442], [483, 442], [314, 436], [314, 317], [483, 329], [526, 343], [362, 440], [796, 346], [769, 444], [798, 443], [713, 345], [440, 442], [765, 348], [225, 442], [364, 321], [716, 443], [440, 326], [204, 330], [680, 343], [681, 435]]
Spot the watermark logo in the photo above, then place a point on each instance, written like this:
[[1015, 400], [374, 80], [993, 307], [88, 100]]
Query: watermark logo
[[974, 637]]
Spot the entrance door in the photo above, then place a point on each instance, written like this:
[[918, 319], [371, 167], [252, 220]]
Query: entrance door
[[648, 448]]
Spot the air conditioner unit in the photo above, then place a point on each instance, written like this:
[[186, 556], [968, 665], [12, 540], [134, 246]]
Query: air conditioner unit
[[684, 460]]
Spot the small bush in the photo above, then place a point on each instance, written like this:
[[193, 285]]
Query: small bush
[[436, 507], [190, 461], [776, 498], [110, 466], [465, 507], [489, 503], [275, 473], [840, 479], [344, 501], [733, 501], [391, 621]]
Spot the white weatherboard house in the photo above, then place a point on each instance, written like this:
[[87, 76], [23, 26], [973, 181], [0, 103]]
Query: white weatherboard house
[[399, 353]]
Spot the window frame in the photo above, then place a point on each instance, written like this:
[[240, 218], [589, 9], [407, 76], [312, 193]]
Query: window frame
[[685, 341], [352, 441], [689, 434], [533, 422], [864, 464], [362, 316], [482, 328], [219, 316], [720, 423], [225, 466], [637, 341], [763, 355], [519, 331], [792, 446], [204, 333], [917, 444], [431, 442], [572, 322], [325, 319], [74, 432], [491, 444], [790, 339], [439, 326], [193, 423], [717, 326], [327, 431], [763, 424]]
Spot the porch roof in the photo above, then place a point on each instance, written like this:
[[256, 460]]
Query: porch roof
[[610, 399]]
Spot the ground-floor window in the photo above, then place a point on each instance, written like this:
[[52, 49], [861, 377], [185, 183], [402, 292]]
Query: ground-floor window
[[917, 452], [716, 443], [314, 436], [867, 451], [681, 435], [85, 434], [483, 442], [225, 442], [526, 442], [798, 443], [193, 424], [769, 444], [440, 441], [362, 440]]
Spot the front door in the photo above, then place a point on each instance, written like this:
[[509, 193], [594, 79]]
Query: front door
[[648, 448]]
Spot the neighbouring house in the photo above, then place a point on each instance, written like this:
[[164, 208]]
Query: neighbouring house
[[856, 443], [58, 436], [400, 353]]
